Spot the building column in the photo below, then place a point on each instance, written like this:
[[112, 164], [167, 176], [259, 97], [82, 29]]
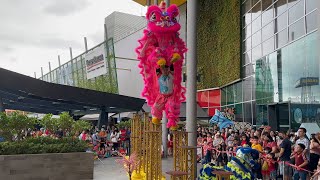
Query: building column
[[103, 118], [191, 65], [165, 135], [1, 105]]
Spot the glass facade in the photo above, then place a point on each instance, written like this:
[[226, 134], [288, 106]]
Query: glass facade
[[280, 64], [73, 73]]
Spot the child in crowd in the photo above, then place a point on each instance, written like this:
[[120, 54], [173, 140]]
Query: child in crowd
[[255, 144], [301, 161], [269, 167]]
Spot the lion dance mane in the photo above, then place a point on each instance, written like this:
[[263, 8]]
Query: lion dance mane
[[159, 46]]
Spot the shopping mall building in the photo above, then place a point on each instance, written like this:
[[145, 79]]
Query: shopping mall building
[[259, 57]]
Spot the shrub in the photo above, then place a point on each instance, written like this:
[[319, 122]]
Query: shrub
[[43, 145]]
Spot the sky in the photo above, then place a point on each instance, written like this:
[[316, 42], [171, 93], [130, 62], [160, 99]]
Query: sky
[[34, 32]]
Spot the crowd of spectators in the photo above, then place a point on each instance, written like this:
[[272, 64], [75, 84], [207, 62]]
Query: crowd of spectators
[[290, 155], [108, 141]]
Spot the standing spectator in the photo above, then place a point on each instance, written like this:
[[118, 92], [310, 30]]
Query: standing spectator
[[268, 142], [301, 161], [199, 139], [273, 136], [303, 140], [244, 140], [123, 136], [207, 148], [269, 172], [314, 152], [218, 140], [95, 139], [115, 139], [255, 144], [209, 138], [284, 155], [223, 134]]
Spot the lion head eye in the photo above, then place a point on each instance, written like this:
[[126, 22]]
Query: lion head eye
[[174, 19], [153, 17]]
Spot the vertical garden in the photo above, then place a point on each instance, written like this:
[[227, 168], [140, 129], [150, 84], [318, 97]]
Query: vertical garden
[[218, 42]]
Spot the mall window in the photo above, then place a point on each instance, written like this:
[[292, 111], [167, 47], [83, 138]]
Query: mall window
[[247, 44], [284, 20], [223, 97], [238, 112], [246, 6], [247, 89], [311, 5], [247, 112], [248, 70], [267, 31], [254, 118], [256, 24], [230, 94], [296, 30], [256, 53], [266, 4], [281, 38], [256, 39], [256, 11], [246, 57], [268, 46], [311, 21], [238, 92], [281, 22], [280, 7], [246, 19], [296, 12]]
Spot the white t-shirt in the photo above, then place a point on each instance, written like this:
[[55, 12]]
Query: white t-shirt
[[114, 137]]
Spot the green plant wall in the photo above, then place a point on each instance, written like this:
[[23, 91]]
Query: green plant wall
[[218, 42]]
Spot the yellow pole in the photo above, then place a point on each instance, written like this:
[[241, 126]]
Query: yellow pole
[[180, 138], [189, 154]]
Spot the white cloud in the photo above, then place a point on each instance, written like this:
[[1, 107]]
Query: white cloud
[[66, 7], [34, 32]]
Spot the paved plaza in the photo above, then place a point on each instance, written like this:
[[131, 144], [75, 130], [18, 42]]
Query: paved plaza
[[111, 170]]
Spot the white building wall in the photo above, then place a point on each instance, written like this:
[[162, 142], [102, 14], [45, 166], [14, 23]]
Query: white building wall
[[130, 81]]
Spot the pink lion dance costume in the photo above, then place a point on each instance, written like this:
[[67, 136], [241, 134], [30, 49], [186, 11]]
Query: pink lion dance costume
[[161, 58]]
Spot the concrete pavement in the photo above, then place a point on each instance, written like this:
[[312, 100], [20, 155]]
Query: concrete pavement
[[111, 170]]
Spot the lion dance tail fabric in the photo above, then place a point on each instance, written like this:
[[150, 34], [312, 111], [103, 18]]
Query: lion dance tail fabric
[[241, 166], [161, 54]]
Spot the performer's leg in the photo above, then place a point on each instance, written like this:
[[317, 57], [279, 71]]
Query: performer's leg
[[157, 109], [173, 111]]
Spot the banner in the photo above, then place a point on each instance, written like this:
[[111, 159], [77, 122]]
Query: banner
[[96, 62]]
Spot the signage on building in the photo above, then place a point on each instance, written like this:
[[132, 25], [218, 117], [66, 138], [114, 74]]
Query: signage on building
[[96, 62], [307, 81]]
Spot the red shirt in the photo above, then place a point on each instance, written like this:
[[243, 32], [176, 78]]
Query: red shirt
[[224, 136], [243, 142], [299, 159], [123, 134], [271, 166], [206, 148], [269, 144]]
